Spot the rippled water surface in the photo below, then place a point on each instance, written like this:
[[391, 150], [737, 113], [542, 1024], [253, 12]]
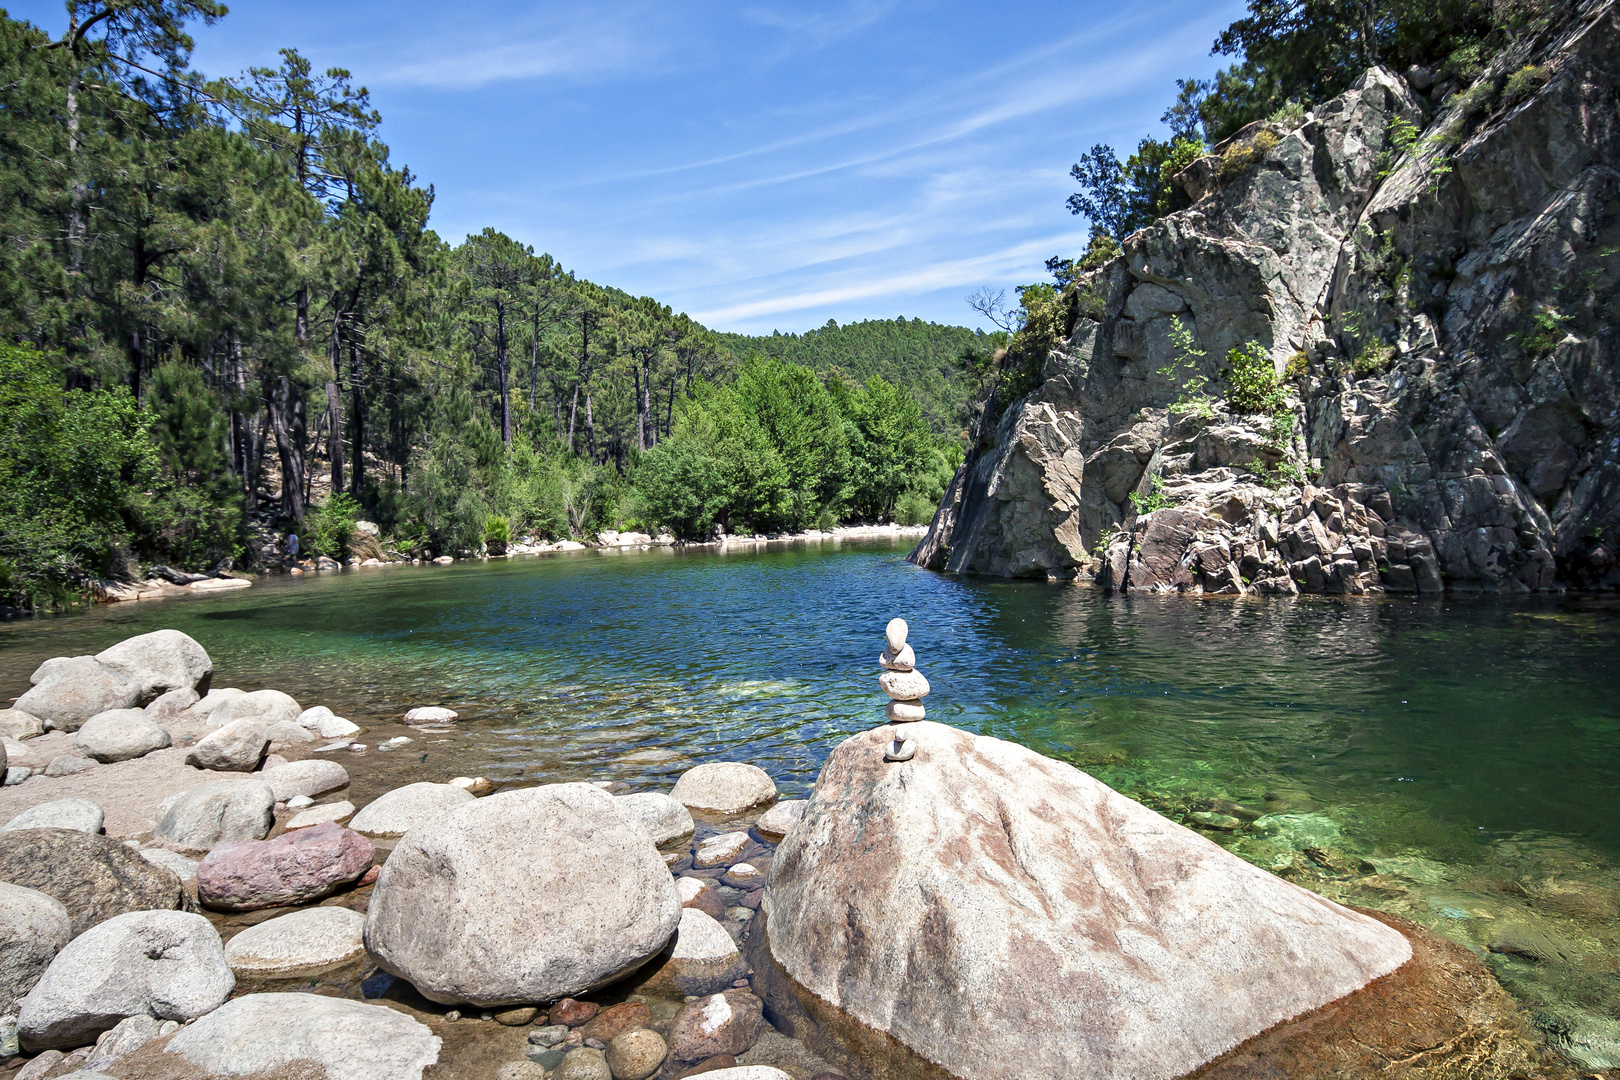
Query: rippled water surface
[[1456, 761]]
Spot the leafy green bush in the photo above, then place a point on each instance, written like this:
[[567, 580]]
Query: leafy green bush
[[1372, 360], [497, 535], [1299, 365], [1153, 499], [328, 528], [1524, 83], [683, 487], [1253, 382], [914, 508], [1291, 115]]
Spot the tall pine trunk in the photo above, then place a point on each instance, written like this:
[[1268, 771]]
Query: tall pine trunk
[[286, 407], [357, 399], [334, 430]]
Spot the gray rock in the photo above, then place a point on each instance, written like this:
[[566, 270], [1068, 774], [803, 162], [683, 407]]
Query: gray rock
[[703, 960], [183, 868], [313, 777], [16, 724], [69, 762], [167, 964], [16, 774], [350, 1040], [431, 714], [724, 788], [41, 1065], [127, 1036], [636, 1054], [287, 733], [80, 815], [665, 819], [394, 812], [323, 722], [171, 706], [237, 746], [205, 706], [721, 850], [33, 929], [484, 905], [94, 877], [69, 690], [316, 815], [120, 735], [304, 943], [161, 661], [548, 1034], [583, 1064], [268, 707], [780, 819], [196, 820], [1140, 909]]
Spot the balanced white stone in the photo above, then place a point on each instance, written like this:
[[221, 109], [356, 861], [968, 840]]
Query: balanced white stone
[[957, 902]]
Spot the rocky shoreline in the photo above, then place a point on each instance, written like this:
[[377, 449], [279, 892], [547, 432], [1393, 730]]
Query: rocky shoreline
[[448, 928]]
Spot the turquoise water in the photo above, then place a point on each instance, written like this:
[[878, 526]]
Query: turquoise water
[[1456, 761]]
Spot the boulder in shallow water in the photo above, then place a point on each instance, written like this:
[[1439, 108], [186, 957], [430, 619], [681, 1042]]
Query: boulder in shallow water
[[313, 776], [724, 788], [431, 714], [69, 690], [294, 868], [779, 820], [522, 897], [194, 821], [120, 735], [268, 1033], [927, 915], [395, 812], [728, 1023], [80, 815], [167, 964], [161, 661], [94, 877], [703, 959], [33, 929], [298, 945], [664, 818], [325, 723], [268, 707]]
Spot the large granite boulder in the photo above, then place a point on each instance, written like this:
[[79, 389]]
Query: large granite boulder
[[94, 877], [268, 707], [161, 661], [522, 897], [120, 735], [237, 746], [166, 964], [33, 929], [81, 815], [192, 822], [312, 777], [724, 788], [294, 868], [272, 1034], [924, 917], [298, 945], [395, 812], [68, 690]]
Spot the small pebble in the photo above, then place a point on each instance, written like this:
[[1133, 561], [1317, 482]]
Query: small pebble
[[298, 802], [452, 1016], [596, 1044], [741, 984], [550, 1035]]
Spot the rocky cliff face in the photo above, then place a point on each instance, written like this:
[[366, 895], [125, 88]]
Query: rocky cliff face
[[1432, 276]]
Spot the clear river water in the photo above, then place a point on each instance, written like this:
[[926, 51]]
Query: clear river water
[[1455, 761]]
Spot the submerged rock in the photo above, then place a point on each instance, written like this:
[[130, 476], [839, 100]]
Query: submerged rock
[[926, 914], [520, 898]]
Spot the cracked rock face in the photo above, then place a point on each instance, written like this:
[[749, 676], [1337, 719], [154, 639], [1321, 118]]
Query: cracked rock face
[[1445, 317], [931, 914]]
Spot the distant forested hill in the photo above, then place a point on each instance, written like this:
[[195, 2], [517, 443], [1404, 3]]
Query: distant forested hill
[[918, 356]]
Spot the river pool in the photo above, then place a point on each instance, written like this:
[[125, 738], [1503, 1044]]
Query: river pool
[[1455, 761]]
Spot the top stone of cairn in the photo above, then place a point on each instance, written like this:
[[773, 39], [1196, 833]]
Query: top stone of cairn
[[895, 634]]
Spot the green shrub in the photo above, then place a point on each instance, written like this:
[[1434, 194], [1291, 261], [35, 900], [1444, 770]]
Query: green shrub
[[328, 528], [913, 509], [1154, 499], [1291, 115], [497, 535], [1374, 359], [826, 521], [1299, 365], [1253, 382]]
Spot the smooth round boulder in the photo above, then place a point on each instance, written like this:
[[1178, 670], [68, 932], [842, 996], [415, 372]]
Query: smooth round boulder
[[585, 1063], [294, 868], [167, 964], [194, 821], [80, 815], [522, 897], [724, 788], [237, 746], [396, 812], [721, 850], [95, 878], [33, 929], [205, 706], [161, 661], [323, 722], [264, 1033], [317, 815], [16, 724], [299, 945], [287, 733], [120, 735], [268, 707], [703, 960], [728, 1023], [68, 690], [636, 1054], [779, 820], [431, 714], [313, 777], [69, 762], [174, 705], [664, 818]]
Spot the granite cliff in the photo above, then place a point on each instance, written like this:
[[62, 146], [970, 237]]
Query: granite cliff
[[1428, 272]]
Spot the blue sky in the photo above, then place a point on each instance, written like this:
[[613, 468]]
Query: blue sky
[[758, 165]]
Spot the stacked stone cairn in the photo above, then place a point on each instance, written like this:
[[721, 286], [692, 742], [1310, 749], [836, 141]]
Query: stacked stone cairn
[[905, 686]]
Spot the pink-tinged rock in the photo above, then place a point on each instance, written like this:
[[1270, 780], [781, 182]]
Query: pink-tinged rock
[[241, 875]]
